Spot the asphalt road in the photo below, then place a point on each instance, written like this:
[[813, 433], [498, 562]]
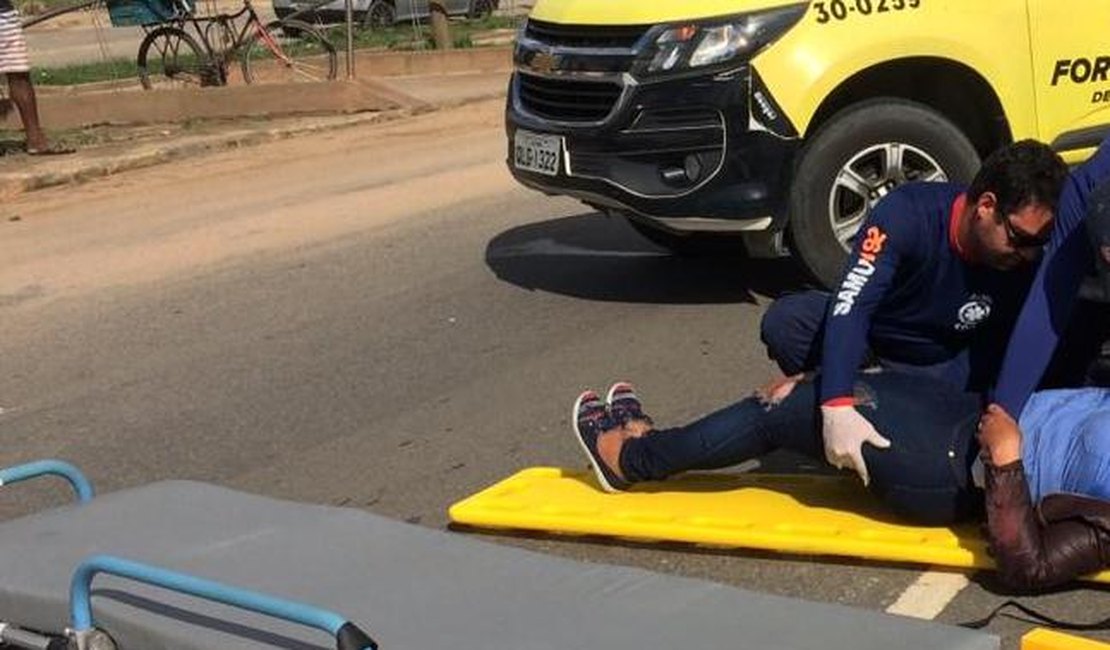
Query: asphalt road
[[379, 318]]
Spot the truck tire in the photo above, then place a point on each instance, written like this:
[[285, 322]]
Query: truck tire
[[853, 160], [379, 14]]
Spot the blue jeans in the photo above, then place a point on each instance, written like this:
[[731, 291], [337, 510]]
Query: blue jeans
[[924, 477]]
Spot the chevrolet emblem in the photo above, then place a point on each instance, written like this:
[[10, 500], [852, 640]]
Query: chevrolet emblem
[[544, 63]]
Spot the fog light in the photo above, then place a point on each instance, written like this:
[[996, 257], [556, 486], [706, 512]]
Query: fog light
[[692, 167]]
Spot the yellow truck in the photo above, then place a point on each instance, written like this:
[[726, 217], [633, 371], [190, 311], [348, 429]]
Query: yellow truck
[[783, 124]]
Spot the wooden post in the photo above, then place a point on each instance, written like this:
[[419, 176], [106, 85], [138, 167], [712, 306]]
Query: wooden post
[[441, 34], [350, 39]]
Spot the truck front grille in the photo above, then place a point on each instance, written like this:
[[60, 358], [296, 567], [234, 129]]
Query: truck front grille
[[567, 100], [606, 36]]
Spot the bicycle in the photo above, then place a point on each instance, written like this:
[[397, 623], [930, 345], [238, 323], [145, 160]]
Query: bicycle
[[283, 50]]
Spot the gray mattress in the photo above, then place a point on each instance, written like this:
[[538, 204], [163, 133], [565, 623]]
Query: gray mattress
[[411, 588]]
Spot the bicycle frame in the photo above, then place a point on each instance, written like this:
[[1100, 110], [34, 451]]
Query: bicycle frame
[[232, 35], [229, 22], [240, 38]]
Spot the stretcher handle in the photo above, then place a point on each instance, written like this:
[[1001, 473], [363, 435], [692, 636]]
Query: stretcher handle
[[76, 479], [347, 635]]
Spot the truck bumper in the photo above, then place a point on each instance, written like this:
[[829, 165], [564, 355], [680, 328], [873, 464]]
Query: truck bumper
[[690, 154]]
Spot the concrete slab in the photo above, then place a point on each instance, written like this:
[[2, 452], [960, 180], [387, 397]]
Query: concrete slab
[[471, 60], [423, 79], [74, 110], [450, 89]]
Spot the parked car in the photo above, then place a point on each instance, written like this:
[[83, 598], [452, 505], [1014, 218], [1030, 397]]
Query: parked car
[[382, 13], [784, 122]]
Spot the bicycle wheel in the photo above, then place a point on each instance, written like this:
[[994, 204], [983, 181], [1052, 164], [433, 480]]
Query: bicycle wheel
[[170, 57], [287, 51]]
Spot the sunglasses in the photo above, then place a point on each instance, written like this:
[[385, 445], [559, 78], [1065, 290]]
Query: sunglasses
[[1019, 239]]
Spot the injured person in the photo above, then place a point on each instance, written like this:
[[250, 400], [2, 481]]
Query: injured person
[[1041, 531]]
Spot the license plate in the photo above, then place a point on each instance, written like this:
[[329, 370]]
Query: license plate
[[537, 153]]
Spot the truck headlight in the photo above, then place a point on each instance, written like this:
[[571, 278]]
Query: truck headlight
[[709, 42], [722, 43]]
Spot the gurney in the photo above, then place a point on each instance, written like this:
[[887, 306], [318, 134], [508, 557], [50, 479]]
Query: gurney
[[180, 565]]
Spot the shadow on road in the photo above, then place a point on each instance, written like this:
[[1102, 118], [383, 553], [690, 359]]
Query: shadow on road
[[600, 258]]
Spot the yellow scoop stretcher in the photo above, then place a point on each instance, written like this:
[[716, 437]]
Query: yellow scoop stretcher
[[800, 514]]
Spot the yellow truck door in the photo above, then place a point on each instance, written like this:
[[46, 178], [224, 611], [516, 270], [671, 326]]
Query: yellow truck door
[[1071, 70]]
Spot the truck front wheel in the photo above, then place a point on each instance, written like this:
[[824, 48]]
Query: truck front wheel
[[854, 160]]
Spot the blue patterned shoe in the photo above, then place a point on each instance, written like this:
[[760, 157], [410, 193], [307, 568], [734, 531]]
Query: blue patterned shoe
[[624, 406], [591, 419]]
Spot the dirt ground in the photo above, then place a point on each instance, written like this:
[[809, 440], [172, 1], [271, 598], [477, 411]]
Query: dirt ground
[[115, 249]]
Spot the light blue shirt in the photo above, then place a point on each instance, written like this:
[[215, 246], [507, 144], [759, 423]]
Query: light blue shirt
[[1066, 442]]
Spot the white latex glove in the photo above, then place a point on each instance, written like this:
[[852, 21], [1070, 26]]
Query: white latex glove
[[845, 432]]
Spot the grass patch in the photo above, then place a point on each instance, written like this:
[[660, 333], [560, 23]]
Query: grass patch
[[114, 70], [86, 73]]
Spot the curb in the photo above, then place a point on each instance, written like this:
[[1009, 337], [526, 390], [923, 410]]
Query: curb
[[78, 110], [123, 102], [433, 62], [16, 184], [13, 185]]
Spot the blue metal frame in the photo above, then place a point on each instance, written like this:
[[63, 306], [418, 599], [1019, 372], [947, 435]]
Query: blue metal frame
[[81, 485], [81, 607]]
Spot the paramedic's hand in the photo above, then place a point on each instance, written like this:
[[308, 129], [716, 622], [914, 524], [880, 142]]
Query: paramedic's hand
[[845, 432]]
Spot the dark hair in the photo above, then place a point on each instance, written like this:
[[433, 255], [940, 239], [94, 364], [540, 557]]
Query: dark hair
[[1020, 174]]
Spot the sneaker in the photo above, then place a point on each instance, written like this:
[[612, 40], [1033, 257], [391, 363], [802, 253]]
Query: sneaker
[[624, 406], [591, 419]]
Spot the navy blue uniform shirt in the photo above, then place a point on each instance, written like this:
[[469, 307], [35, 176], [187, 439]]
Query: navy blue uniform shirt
[[909, 295]]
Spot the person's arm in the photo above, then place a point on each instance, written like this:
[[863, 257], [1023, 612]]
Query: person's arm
[[1043, 318], [874, 261], [1030, 555], [871, 268]]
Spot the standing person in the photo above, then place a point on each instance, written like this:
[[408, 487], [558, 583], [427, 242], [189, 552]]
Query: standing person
[[15, 65], [934, 283]]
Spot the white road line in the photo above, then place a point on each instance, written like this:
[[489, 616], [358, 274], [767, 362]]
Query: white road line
[[928, 595]]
